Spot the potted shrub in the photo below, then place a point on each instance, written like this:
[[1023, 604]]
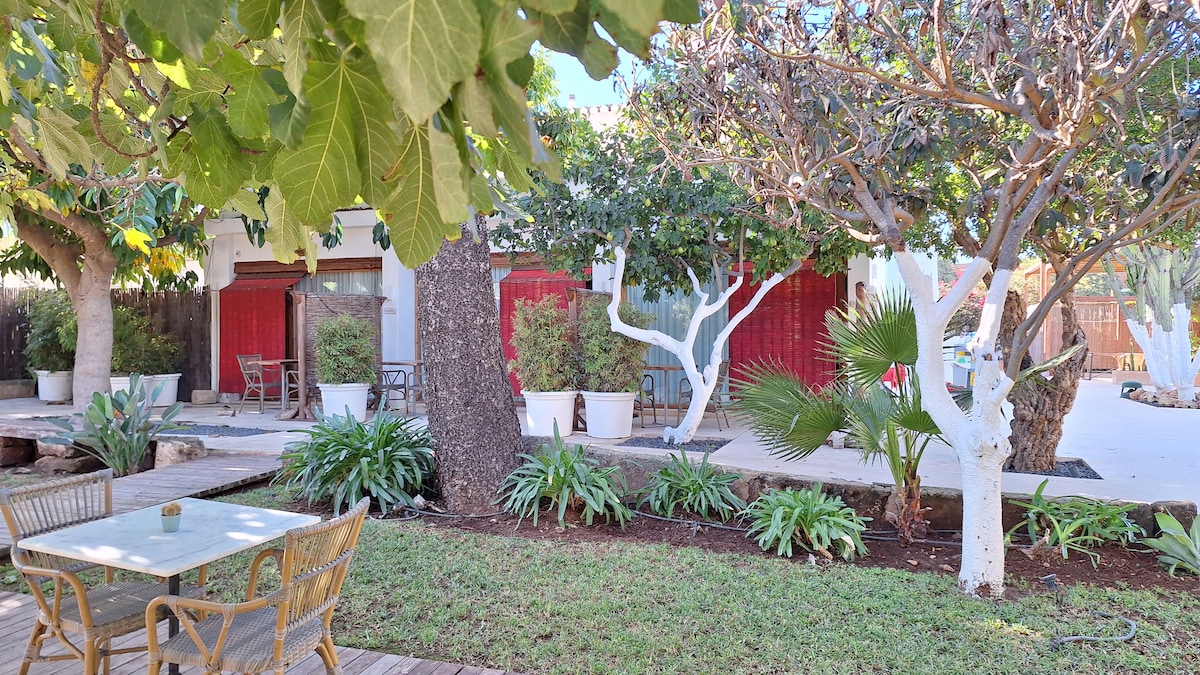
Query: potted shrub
[[545, 364], [612, 367], [138, 347], [50, 345], [345, 359]]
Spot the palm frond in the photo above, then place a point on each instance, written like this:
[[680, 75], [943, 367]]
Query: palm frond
[[870, 341], [784, 413]]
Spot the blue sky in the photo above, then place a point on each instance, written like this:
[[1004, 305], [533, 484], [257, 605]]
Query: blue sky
[[572, 79]]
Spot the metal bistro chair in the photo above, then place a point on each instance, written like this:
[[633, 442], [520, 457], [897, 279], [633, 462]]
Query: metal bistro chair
[[393, 386], [92, 616], [716, 404], [274, 631], [645, 398], [257, 384]]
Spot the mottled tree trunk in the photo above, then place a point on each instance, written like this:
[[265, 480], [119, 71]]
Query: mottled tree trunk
[[92, 299], [471, 412], [1038, 411]]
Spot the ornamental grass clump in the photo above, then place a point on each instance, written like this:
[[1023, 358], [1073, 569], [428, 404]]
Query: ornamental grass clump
[[566, 478], [389, 459], [1179, 548], [1075, 523], [701, 489], [817, 522]]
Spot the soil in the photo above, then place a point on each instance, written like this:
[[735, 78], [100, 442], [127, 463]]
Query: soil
[[1118, 567], [1135, 567]]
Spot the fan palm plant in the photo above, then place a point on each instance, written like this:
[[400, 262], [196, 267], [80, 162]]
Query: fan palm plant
[[885, 421]]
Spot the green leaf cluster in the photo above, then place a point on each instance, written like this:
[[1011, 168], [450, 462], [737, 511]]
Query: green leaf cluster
[[345, 351], [702, 489], [543, 340], [117, 428], [328, 102], [609, 361], [50, 343], [567, 478], [1075, 523], [1178, 548], [389, 459], [139, 347], [817, 522]]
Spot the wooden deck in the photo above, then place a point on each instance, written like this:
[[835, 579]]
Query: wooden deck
[[195, 478], [17, 613]]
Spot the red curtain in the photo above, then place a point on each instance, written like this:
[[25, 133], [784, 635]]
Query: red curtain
[[253, 320]]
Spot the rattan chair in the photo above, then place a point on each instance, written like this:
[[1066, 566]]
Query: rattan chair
[[93, 616], [274, 631]]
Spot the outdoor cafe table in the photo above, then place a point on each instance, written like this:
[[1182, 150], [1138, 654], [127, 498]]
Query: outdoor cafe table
[[135, 541]]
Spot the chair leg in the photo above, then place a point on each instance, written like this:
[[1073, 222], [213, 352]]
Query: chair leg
[[91, 659], [34, 648], [328, 654]]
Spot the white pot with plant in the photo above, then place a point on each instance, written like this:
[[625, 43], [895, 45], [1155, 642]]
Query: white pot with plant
[[545, 365], [345, 357], [612, 366], [50, 345]]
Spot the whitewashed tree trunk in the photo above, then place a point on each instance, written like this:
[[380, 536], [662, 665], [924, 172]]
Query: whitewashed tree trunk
[[704, 382], [1169, 359], [980, 439]]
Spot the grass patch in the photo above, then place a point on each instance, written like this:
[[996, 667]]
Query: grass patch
[[562, 607]]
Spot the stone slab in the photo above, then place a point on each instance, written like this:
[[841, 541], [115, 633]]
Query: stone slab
[[177, 449]]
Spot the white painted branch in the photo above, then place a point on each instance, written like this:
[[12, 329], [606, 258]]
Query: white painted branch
[[702, 383]]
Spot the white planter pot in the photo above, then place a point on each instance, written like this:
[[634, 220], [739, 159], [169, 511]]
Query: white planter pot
[[335, 398], [170, 391], [54, 386], [544, 408], [609, 414], [119, 383]]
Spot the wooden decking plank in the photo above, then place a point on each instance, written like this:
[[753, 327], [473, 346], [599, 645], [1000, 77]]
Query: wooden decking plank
[[391, 664], [365, 659], [22, 608]]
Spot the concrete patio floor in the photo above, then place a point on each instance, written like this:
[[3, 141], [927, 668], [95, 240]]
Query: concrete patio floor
[[1142, 452]]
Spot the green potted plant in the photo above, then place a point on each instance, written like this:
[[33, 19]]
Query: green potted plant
[[138, 347], [50, 345], [345, 360], [546, 365], [612, 366]]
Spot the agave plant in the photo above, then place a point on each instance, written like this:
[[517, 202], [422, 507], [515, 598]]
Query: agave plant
[[886, 422]]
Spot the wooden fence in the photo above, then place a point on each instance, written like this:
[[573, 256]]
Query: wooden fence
[[183, 314]]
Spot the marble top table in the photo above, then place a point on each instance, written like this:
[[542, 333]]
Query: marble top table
[[135, 541]]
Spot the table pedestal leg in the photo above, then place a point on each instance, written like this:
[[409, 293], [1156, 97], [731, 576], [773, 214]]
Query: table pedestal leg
[[172, 620]]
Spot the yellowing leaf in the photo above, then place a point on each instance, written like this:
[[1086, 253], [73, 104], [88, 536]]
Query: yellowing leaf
[[137, 240]]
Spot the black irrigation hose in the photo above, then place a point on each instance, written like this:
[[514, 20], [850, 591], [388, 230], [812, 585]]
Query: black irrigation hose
[[1058, 642], [454, 515], [696, 524]]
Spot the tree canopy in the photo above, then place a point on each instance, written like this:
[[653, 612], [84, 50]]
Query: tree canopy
[[327, 102]]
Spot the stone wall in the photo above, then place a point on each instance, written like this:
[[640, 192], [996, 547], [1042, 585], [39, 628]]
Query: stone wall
[[869, 500]]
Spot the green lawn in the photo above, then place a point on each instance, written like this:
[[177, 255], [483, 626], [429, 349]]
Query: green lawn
[[554, 607], [551, 607]]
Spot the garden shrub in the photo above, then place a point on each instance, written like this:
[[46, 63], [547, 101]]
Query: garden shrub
[[567, 478], [818, 522], [1075, 523], [389, 459], [696, 488]]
